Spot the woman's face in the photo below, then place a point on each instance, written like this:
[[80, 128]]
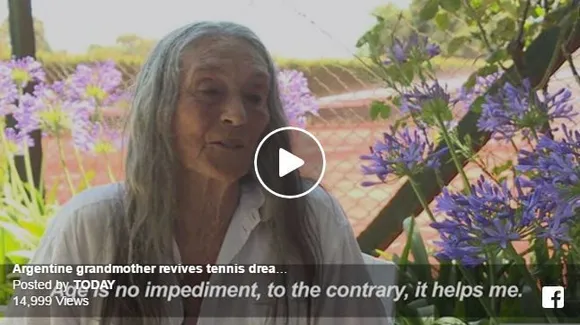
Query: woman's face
[[222, 109]]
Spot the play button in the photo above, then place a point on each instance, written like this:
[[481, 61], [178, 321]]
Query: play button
[[288, 163], [286, 154]]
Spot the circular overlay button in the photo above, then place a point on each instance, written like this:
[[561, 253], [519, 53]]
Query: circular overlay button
[[273, 161]]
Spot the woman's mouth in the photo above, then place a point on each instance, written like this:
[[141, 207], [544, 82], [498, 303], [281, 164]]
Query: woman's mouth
[[228, 144]]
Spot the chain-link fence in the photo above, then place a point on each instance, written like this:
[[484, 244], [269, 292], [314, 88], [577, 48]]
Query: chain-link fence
[[344, 128]]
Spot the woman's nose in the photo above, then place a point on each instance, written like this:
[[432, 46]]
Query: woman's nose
[[234, 113]]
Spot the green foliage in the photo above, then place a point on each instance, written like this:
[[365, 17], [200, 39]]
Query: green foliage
[[436, 19], [24, 215], [450, 5], [494, 27], [456, 43], [39, 34], [430, 9], [442, 20], [126, 44], [380, 110]]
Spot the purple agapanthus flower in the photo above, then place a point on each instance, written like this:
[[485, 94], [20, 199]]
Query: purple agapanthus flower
[[8, 91], [400, 154], [99, 83], [297, 99], [26, 113], [25, 70], [555, 168], [103, 138], [48, 110], [415, 46], [491, 217], [515, 109], [17, 142], [425, 97]]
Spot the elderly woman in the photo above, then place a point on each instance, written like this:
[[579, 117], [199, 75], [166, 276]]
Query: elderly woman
[[204, 99]]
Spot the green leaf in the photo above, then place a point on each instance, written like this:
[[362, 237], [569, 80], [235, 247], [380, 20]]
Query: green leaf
[[510, 8], [379, 109], [497, 56], [418, 303], [529, 305], [420, 256], [427, 311], [385, 113], [538, 12], [362, 41], [497, 170], [471, 81], [408, 71], [396, 101], [448, 321], [447, 276], [429, 10], [476, 106], [506, 28], [456, 43], [442, 20], [450, 5], [487, 70], [399, 123]]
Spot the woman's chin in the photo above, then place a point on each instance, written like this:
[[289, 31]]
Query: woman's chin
[[228, 175]]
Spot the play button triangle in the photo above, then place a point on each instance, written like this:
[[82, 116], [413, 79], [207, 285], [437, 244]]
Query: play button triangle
[[287, 162]]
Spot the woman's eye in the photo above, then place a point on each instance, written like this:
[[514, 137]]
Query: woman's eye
[[256, 99]]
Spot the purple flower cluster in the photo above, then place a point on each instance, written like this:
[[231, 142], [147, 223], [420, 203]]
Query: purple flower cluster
[[425, 97], [100, 84], [24, 71], [554, 168], [491, 217], [415, 46], [297, 99], [67, 106], [520, 108], [430, 104], [403, 153]]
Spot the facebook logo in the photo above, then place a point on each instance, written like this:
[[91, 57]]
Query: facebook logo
[[552, 297]]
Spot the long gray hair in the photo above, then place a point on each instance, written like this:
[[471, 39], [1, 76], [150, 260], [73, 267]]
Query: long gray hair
[[145, 234]]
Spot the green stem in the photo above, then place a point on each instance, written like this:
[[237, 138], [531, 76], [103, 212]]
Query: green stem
[[454, 157], [63, 163], [421, 198], [491, 270], [112, 177], [423, 202], [520, 262], [32, 190], [3, 277], [81, 166], [439, 179], [407, 248], [16, 183], [535, 134], [516, 149], [8, 156]]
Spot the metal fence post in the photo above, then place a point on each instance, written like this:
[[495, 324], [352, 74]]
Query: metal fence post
[[23, 44]]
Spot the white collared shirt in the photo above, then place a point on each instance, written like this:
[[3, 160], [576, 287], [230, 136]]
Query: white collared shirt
[[76, 235]]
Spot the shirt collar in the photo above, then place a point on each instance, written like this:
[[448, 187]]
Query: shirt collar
[[252, 199]]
